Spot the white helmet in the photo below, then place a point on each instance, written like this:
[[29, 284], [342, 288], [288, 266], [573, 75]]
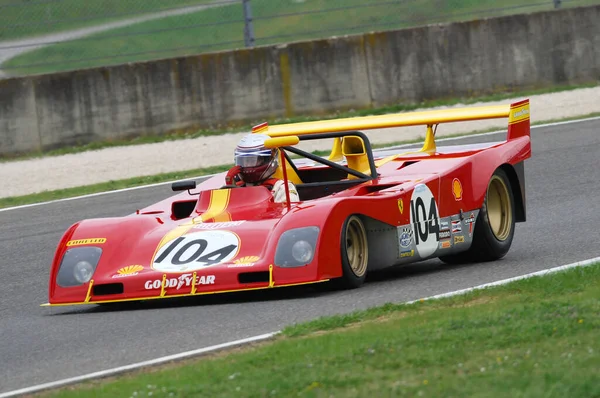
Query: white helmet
[[257, 162]]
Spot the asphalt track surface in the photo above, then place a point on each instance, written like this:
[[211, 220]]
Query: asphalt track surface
[[39, 344]]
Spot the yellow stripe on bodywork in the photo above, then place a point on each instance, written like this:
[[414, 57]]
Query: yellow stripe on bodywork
[[219, 200]]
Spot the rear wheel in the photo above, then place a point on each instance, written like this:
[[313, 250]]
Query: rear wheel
[[355, 253], [495, 225]]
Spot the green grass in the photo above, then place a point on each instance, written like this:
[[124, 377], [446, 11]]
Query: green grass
[[196, 33], [532, 338], [22, 18]]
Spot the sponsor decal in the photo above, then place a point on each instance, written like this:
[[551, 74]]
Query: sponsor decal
[[459, 239], [406, 237], [196, 251], [456, 227], [247, 261], [445, 234], [444, 225], [457, 190], [218, 225], [401, 206], [445, 244], [184, 280], [470, 221], [424, 220], [519, 113], [128, 271], [407, 253], [89, 241]]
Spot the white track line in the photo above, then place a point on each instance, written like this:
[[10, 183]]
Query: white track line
[[212, 175], [122, 369], [267, 336]]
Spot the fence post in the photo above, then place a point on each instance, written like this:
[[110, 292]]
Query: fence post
[[557, 3], [248, 27]]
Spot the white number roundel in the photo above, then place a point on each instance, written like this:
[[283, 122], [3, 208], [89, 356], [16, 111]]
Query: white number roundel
[[424, 220], [197, 250]]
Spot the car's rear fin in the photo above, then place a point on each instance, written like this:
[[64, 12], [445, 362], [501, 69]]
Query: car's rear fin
[[518, 120]]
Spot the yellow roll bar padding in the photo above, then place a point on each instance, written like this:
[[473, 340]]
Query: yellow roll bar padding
[[353, 148], [282, 141], [390, 120], [336, 151]]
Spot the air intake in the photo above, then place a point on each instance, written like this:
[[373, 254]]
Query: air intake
[[253, 277], [107, 289]]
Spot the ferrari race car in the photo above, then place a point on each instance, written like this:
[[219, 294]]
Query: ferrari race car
[[359, 210]]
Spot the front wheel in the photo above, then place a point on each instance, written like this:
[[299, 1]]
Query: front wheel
[[355, 253], [495, 225]]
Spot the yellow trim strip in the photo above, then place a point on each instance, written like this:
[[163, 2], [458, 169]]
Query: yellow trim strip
[[162, 286], [180, 295], [271, 281], [391, 120], [193, 291], [88, 296]]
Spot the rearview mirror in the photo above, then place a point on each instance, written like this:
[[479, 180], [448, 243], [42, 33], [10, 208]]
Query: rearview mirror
[[183, 185]]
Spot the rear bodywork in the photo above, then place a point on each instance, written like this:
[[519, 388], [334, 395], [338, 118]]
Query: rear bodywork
[[415, 206]]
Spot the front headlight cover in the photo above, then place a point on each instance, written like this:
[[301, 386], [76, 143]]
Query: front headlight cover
[[296, 247], [78, 265]]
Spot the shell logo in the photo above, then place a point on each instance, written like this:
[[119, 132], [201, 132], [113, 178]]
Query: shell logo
[[457, 189], [246, 260], [130, 270]]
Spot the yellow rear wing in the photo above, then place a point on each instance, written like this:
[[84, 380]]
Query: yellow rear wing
[[385, 121], [517, 113]]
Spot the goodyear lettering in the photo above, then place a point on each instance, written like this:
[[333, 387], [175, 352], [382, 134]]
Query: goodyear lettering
[[184, 280], [88, 241]]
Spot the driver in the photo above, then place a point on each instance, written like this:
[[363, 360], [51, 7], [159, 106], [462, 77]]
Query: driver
[[255, 164]]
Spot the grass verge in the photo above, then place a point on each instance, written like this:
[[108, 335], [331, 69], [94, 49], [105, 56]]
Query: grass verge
[[531, 338], [22, 18], [165, 177], [274, 22]]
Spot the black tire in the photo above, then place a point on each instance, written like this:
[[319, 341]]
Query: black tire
[[491, 239], [355, 253]]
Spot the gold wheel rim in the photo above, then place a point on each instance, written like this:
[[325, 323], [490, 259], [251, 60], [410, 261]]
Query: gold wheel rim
[[499, 208], [356, 246]]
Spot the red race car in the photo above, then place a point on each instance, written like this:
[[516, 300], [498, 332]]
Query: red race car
[[359, 210]]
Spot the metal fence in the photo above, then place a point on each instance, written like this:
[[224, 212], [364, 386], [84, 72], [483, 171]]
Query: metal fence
[[40, 36]]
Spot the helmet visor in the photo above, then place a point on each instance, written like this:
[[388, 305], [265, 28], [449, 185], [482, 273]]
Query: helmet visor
[[252, 159]]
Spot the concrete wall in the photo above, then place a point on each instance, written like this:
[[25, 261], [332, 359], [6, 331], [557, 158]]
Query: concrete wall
[[250, 86]]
